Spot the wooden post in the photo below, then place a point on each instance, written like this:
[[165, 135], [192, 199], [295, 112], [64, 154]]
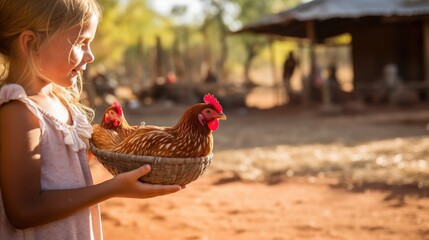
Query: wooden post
[[326, 87], [139, 77], [426, 54], [311, 36], [159, 59]]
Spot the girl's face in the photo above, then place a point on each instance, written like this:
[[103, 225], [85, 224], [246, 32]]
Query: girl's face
[[61, 59]]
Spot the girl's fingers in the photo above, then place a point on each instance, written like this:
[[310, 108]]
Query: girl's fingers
[[158, 190], [152, 190], [141, 171]]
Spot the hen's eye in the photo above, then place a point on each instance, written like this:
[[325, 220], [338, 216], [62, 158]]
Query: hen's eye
[[208, 111]]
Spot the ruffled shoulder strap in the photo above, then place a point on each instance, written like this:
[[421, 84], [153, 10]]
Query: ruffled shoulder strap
[[10, 92], [76, 136], [80, 132]]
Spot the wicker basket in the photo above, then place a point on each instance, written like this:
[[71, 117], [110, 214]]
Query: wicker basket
[[165, 171]]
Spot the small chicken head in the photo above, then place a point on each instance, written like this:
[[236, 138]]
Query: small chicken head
[[212, 114], [113, 114]]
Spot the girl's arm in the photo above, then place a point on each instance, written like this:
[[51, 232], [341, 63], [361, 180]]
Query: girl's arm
[[25, 203]]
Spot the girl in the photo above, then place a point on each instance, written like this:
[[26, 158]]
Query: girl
[[46, 189]]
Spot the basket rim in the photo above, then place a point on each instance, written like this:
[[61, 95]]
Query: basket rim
[[150, 159]]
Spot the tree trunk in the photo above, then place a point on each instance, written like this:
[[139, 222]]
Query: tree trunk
[[251, 53], [159, 58], [224, 48]]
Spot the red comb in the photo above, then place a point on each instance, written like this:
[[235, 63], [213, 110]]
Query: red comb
[[118, 108], [210, 99]]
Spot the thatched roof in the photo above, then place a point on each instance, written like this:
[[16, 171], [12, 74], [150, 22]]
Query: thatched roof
[[333, 17]]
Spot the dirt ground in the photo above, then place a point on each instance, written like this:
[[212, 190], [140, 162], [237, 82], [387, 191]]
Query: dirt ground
[[237, 199]]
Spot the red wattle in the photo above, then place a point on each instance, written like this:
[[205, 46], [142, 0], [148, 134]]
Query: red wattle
[[213, 124]]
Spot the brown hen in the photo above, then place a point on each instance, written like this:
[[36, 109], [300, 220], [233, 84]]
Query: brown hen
[[190, 137], [104, 139], [114, 119]]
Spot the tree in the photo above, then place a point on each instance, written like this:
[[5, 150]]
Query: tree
[[252, 11], [215, 26], [123, 25], [127, 35]]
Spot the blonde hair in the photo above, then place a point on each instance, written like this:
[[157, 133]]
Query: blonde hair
[[50, 17]]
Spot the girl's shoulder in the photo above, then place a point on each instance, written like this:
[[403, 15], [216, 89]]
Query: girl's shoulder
[[13, 107], [18, 124], [9, 92], [15, 114]]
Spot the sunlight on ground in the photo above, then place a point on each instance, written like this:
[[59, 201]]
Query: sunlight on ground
[[398, 161], [265, 97]]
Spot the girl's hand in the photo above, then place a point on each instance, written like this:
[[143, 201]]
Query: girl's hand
[[127, 185]]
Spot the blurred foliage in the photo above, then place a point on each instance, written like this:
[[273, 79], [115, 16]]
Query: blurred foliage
[[121, 27], [126, 38], [254, 45]]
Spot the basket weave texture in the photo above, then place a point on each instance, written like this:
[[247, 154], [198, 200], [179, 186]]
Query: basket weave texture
[[164, 171]]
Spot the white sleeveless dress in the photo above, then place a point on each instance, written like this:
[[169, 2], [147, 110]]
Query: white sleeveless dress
[[64, 165]]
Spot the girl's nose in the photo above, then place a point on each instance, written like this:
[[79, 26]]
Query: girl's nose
[[89, 57]]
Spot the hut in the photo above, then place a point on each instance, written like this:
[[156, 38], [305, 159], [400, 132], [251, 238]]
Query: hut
[[382, 32]]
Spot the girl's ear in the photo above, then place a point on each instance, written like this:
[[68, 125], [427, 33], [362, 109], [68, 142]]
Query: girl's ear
[[27, 41]]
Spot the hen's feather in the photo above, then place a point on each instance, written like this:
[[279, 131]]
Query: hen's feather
[[104, 139], [188, 138]]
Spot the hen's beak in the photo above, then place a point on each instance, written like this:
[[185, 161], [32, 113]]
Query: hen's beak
[[221, 116]]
